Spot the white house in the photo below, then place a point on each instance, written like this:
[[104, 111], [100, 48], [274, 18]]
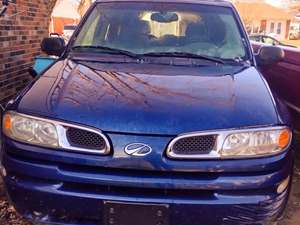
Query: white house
[[262, 18]]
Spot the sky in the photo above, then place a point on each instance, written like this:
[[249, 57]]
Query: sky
[[275, 2], [280, 3]]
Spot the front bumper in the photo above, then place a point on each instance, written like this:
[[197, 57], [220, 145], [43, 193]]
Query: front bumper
[[51, 191]]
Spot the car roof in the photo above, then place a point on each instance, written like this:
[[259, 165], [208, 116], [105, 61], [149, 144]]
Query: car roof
[[224, 3]]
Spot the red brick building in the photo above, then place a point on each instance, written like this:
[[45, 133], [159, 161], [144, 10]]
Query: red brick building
[[21, 30]]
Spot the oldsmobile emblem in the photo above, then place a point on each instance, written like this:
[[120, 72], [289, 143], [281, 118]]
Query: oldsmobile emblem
[[138, 149]]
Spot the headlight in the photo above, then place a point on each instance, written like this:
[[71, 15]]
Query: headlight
[[29, 130], [256, 143]]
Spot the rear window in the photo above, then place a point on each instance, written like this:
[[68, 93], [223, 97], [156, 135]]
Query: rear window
[[164, 27]]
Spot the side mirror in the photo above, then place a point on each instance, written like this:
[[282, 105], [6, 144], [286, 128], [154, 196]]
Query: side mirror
[[32, 72], [53, 46], [268, 55]]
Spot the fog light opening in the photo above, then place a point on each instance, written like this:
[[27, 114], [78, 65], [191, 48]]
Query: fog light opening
[[283, 185]]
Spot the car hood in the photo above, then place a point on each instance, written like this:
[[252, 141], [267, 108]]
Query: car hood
[[150, 99]]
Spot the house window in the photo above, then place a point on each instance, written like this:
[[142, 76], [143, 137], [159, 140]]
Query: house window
[[248, 29], [272, 28], [279, 28], [255, 27]]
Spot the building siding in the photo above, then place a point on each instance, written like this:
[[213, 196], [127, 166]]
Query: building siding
[[284, 30]]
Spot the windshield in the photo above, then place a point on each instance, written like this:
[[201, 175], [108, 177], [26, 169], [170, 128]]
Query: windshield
[[143, 28]]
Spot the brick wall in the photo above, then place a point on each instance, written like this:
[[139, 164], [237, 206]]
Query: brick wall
[[21, 31]]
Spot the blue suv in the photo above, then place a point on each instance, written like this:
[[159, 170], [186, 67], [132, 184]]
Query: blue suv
[[155, 113]]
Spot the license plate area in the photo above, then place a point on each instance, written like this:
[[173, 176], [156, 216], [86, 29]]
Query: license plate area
[[124, 213]]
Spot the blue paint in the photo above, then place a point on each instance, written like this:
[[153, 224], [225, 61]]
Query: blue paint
[[150, 102]]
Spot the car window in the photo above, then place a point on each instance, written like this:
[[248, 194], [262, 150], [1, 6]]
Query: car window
[[156, 27], [255, 38], [269, 40]]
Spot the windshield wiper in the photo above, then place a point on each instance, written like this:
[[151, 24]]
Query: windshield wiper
[[138, 56], [185, 54], [107, 50]]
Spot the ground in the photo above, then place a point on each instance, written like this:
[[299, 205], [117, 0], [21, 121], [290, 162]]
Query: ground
[[8, 215]]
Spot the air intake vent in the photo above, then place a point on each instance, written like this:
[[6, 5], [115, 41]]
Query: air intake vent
[[85, 139], [192, 146]]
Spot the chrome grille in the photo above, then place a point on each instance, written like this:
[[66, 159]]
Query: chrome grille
[[194, 145], [190, 146], [85, 139]]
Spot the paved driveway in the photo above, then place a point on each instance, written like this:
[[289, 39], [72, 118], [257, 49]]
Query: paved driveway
[[8, 215]]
